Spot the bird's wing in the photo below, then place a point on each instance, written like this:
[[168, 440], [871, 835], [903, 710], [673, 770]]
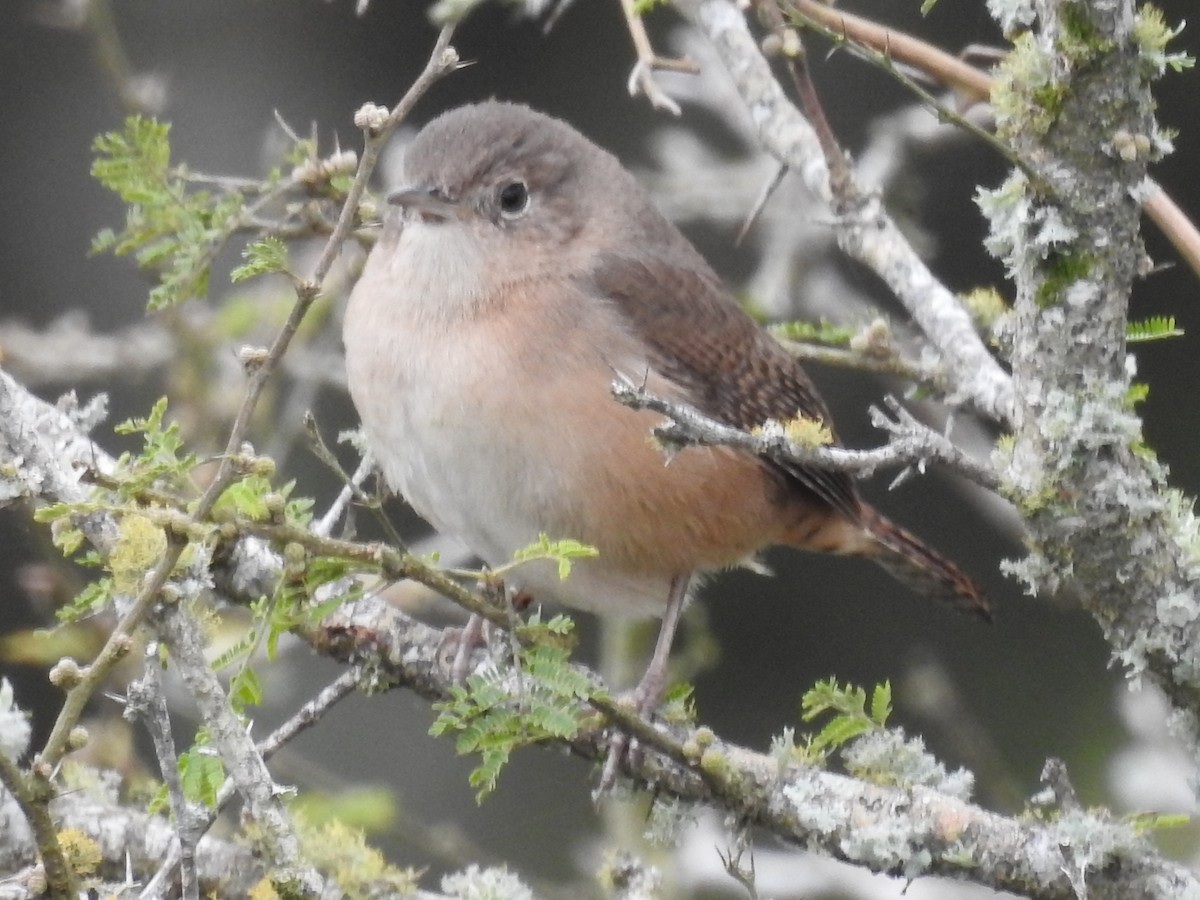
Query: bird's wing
[[701, 339]]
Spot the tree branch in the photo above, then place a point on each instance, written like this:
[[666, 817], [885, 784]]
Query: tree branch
[[911, 444], [1102, 519], [887, 829], [864, 229], [896, 831]]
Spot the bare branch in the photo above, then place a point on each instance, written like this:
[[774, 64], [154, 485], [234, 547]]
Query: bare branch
[[865, 231], [912, 443], [307, 716]]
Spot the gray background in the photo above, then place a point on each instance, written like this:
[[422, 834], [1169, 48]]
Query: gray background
[[1036, 683]]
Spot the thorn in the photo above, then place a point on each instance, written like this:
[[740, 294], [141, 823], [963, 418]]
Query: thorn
[[759, 203]]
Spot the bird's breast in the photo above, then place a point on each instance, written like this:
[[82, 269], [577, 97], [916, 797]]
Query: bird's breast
[[499, 424]]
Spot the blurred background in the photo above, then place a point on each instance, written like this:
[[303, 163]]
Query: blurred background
[[998, 699]]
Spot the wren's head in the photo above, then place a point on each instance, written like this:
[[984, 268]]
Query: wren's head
[[512, 187]]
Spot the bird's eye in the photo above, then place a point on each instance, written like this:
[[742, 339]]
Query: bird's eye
[[514, 199]]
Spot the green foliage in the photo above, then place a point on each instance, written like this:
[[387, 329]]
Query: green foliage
[[201, 772], [563, 552], [851, 715], [163, 461], [170, 229], [291, 607], [88, 602], [252, 497], [263, 257], [559, 631], [679, 705], [161, 466], [246, 497], [1137, 392], [496, 712], [642, 7], [1154, 328], [822, 332], [867, 747], [245, 689]]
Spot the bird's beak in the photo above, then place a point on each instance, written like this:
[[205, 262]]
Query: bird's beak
[[429, 203]]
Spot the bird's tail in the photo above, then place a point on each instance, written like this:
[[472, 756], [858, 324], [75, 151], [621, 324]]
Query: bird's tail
[[918, 566]]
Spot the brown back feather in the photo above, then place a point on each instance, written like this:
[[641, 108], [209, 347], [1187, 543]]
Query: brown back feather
[[729, 367]]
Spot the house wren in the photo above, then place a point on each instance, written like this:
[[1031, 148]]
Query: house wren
[[523, 271]]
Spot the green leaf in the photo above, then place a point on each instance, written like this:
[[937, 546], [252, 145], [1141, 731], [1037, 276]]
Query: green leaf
[[839, 730], [169, 228], [160, 802], [561, 551], [1155, 328], [201, 774], [245, 689], [133, 162], [881, 703], [494, 714], [245, 498], [849, 708], [162, 458], [263, 257], [92, 600]]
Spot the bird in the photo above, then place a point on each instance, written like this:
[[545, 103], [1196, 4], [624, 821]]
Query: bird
[[520, 271]]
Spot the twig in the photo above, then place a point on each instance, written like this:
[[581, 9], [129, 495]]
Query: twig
[[1174, 223], [840, 175], [33, 793], [864, 229], [119, 643], [352, 485], [144, 94], [894, 363], [948, 69], [146, 699], [888, 43], [807, 806], [242, 761], [760, 202], [642, 77], [442, 61], [305, 717], [912, 443], [352, 488], [883, 57]]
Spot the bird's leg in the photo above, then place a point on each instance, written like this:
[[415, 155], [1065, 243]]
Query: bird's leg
[[470, 637], [474, 633], [649, 692]]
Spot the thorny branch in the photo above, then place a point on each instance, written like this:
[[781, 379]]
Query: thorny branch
[[864, 229], [974, 85], [174, 625]]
